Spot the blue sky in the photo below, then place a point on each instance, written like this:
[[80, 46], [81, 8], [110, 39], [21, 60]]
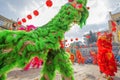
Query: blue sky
[[98, 17]]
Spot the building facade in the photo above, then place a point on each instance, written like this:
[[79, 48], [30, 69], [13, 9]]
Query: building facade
[[8, 24], [115, 18]]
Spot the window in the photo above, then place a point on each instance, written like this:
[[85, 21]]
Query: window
[[1, 23], [118, 22]]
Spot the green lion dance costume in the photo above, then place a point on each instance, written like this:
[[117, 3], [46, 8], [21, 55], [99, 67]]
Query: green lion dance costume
[[18, 47]]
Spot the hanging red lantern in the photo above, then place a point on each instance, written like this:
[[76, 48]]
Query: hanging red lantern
[[88, 8], [113, 23], [19, 22], [35, 12], [113, 29], [23, 20], [49, 3], [65, 40], [76, 39], [29, 16], [98, 33], [71, 40]]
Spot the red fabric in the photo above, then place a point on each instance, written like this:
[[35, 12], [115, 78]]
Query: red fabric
[[94, 56], [61, 44], [106, 60], [34, 63]]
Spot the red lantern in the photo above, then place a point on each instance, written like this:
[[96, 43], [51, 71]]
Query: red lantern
[[113, 29], [71, 40], [19, 22], [88, 36], [23, 20], [98, 33], [65, 40], [76, 39], [49, 3], [29, 16], [88, 8], [35, 12], [113, 23]]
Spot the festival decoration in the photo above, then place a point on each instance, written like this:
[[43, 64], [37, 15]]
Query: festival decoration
[[28, 28], [113, 26], [88, 36], [71, 40], [49, 3], [35, 12], [88, 8], [19, 22], [76, 39], [106, 60], [23, 20], [65, 40], [19, 47], [29, 16]]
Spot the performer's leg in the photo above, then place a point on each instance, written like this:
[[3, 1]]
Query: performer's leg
[[48, 70], [3, 77], [64, 65]]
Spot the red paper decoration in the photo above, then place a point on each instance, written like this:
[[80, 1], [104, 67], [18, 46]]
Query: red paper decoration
[[114, 29], [23, 20], [76, 39], [98, 33], [29, 16], [65, 40], [113, 26], [88, 36], [19, 22], [113, 23], [71, 40], [35, 12], [49, 3], [88, 8]]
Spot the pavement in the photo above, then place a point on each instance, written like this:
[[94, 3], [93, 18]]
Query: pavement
[[81, 72]]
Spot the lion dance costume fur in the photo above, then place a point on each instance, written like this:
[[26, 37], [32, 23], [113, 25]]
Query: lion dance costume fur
[[18, 47], [106, 60]]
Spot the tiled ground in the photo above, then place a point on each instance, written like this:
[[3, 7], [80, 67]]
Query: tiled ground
[[82, 72]]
